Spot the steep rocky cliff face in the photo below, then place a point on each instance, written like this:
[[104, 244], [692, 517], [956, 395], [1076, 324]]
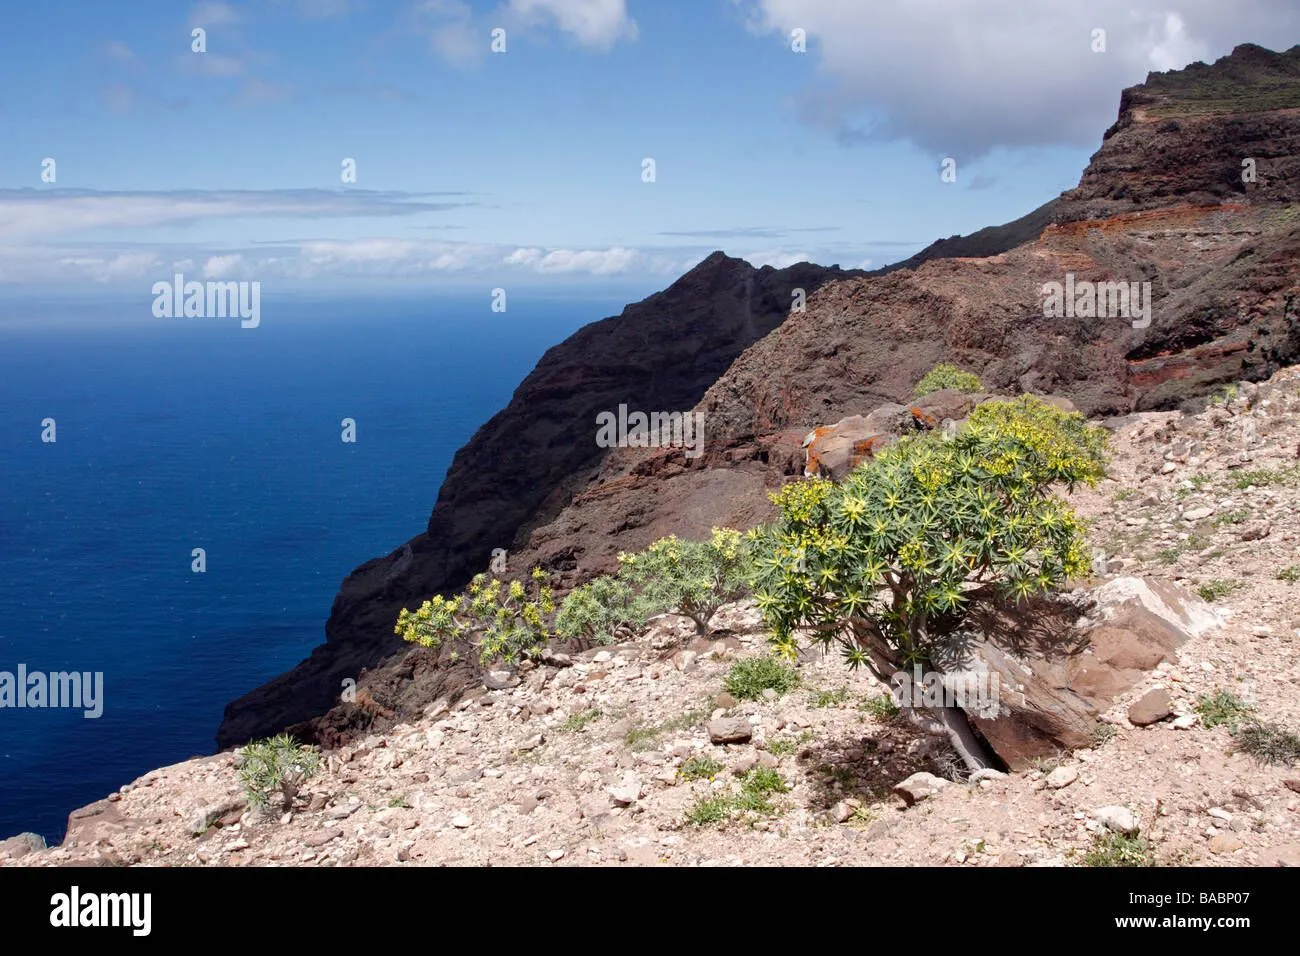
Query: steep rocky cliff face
[[1162, 202]]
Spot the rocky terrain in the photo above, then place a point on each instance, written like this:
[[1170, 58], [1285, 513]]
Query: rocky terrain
[[1163, 201], [636, 754]]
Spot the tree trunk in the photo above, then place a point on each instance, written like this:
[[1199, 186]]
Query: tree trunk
[[963, 738]]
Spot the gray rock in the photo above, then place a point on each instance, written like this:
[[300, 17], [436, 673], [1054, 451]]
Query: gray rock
[[500, 680], [533, 742], [342, 811], [323, 837], [1120, 819], [841, 812], [919, 786], [730, 730], [1062, 777], [626, 792]]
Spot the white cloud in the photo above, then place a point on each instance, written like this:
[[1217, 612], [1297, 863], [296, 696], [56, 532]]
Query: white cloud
[[30, 213], [776, 258], [221, 267], [594, 23], [959, 77]]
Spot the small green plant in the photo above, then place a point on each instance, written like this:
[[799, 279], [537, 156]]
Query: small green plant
[[1270, 743], [1116, 849], [709, 810], [1125, 494], [757, 789], [508, 619], [694, 578], [1102, 734], [755, 798], [1290, 575], [882, 707], [1193, 542], [399, 802], [1221, 708], [1218, 588], [782, 746], [699, 768], [1231, 517], [748, 679], [1223, 395], [862, 817], [1263, 477], [946, 375], [277, 765], [578, 722], [828, 698], [641, 738], [644, 738]]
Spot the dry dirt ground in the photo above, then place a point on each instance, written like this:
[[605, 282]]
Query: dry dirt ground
[[588, 764]]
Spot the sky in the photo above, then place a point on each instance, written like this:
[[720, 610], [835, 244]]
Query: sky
[[778, 131]]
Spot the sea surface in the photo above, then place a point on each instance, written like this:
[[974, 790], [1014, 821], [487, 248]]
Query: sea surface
[[177, 434]]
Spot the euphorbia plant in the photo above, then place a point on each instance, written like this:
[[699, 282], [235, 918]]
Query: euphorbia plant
[[889, 563]]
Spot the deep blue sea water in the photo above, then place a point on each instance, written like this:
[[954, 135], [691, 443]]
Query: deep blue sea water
[[182, 434]]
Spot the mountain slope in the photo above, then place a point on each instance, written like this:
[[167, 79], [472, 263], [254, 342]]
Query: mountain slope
[[1162, 202]]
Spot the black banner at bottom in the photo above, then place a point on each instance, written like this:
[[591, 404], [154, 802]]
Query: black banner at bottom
[[238, 905]]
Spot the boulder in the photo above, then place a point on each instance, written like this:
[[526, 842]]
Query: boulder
[[1152, 707], [834, 451], [730, 730], [1056, 670]]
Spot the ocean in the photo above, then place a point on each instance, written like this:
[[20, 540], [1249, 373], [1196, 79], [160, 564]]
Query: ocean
[[179, 434]]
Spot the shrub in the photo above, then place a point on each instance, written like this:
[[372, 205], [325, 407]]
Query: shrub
[[828, 698], [277, 765], [578, 722], [1268, 742], [1103, 733], [1221, 708], [1289, 574], [1262, 478], [1213, 590], [756, 790], [748, 679], [699, 768], [945, 375], [882, 707], [594, 613], [508, 620], [692, 577], [1116, 849], [889, 563]]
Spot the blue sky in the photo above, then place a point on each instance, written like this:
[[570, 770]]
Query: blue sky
[[477, 168]]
